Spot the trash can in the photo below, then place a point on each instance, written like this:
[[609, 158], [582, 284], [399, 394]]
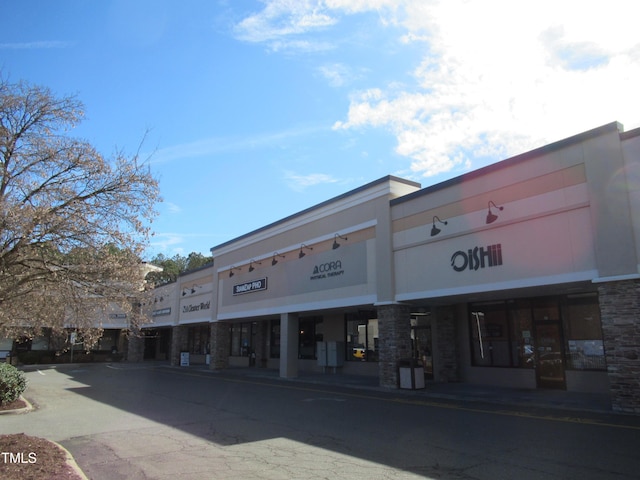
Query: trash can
[[410, 374]]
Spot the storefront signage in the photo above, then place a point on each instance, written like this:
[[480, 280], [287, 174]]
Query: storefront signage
[[196, 307], [478, 257], [162, 311], [328, 269], [114, 316], [250, 287]]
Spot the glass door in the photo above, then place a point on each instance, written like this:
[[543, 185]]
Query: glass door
[[549, 358]]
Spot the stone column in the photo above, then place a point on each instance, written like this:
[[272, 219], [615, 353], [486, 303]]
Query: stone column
[[446, 365], [179, 339], [394, 341], [289, 345], [135, 345], [620, 315], [220, 345]]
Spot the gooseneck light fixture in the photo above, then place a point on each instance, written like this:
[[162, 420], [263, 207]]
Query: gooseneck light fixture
[[335, 240], [274, 260], [302, 247], [231, 274], [435, 230], [251, 267], [492, 217]]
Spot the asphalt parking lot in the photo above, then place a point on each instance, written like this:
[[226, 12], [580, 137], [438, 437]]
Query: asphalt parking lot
[[125, 421]]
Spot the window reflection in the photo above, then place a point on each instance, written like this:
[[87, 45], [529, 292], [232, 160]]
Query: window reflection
[[362, 337]]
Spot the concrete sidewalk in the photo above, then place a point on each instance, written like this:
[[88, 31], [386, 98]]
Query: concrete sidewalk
[[458, 392]]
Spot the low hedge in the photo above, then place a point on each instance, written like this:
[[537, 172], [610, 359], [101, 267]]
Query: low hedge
[[12, 383]]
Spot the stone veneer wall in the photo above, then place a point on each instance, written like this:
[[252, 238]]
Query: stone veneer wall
[[446, 363], [220, 345], [179, 343], [394, 337], [135, 347], [620, 314]]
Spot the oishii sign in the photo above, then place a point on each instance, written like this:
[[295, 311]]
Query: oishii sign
[[477, 257]]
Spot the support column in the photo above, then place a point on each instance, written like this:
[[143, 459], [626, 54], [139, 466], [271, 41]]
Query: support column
[[620, 316], [135, 346], [289, 345], [179, 340], [394, 329], [220, 345]]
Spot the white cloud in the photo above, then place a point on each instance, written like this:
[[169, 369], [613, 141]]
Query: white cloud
[[218, 145], [497, 78], [167, 243], [281, 20], [300, 182], [504, 78], [173, 208], [338, 74]]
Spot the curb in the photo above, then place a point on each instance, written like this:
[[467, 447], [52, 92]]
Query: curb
[[16, 411], [71, 462]]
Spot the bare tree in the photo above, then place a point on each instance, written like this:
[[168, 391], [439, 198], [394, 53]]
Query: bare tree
[[73, 224]]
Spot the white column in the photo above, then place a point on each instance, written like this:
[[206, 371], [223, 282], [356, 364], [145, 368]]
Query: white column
[[288, 345]]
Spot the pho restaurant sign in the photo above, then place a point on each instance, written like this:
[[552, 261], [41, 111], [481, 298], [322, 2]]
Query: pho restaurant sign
[[250, 287]]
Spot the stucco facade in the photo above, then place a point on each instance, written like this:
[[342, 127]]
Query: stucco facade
[[524, 273]]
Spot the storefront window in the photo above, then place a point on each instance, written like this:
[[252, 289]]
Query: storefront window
[[421, 341], [362, 338], [522, 354], [241, 340], [527, 333], [490, 336], [198, 339], [109, 340], [583, 332], [235, 332], [274, 344]]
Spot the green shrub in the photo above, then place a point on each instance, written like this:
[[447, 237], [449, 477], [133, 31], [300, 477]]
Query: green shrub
[[12, 383]]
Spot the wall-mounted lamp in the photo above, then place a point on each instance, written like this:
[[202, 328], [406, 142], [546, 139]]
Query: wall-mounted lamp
[[335, 240], [435, 230], [231, 274], [302, 247], [492, 217], [274, 260], [251, 268], [186, 290]]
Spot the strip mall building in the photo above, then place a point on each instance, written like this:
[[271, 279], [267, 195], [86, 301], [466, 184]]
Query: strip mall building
[[524, 274]]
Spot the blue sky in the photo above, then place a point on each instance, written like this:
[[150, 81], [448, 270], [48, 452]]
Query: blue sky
[[253, 110]]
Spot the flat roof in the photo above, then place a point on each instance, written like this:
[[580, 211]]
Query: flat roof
[[551, 147], [386, 179]]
